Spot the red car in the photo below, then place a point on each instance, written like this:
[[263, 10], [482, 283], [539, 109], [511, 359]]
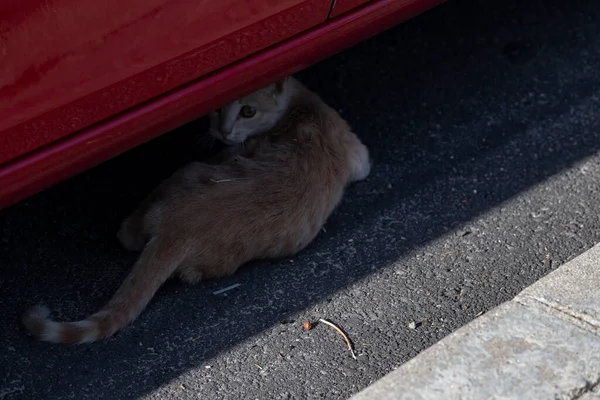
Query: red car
[[82, 81]]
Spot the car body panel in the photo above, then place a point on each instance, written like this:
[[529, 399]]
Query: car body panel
[[65, 65], [94, 144]]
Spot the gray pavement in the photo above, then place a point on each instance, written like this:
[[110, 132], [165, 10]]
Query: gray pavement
[[544, 344], [483, 119]]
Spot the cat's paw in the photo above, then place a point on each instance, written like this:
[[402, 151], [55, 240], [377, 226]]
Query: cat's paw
[[360, 163]]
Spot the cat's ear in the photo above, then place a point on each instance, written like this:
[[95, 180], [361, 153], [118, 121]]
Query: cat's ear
[[280, 84]]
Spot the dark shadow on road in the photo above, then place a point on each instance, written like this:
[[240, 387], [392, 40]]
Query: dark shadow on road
[[459, 108]]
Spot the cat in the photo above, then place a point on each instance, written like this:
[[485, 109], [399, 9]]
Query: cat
[[268, 198]]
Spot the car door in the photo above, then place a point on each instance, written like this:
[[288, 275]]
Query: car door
[[65, 65]]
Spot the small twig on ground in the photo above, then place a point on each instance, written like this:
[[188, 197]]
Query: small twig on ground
[[226, 289], [220, 180], [341, 333]]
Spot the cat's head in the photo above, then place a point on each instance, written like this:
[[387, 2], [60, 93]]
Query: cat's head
[[250, 115]]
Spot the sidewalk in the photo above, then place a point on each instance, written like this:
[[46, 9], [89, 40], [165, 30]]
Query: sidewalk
[[543, 344]]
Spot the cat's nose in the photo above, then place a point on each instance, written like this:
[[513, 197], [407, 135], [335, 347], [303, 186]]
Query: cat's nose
[[224, 132]]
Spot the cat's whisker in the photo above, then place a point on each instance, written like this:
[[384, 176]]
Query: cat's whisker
[[222, 180]]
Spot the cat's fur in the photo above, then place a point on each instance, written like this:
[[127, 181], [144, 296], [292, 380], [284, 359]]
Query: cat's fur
[[269, 200]]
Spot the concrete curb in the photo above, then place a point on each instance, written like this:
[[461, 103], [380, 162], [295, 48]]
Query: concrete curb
[[543, 344]]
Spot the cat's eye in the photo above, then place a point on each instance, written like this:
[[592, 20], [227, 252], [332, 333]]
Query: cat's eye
[[248, 112]]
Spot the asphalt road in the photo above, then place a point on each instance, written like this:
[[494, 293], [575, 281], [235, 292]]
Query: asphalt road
[[483, 118]]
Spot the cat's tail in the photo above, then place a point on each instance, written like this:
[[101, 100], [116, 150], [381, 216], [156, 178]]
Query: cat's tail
[[156, 264]]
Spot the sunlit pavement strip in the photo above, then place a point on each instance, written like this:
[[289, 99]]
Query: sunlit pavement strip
[[543, 344]]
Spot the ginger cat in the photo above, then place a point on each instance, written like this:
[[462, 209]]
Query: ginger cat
[[268, 198]]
